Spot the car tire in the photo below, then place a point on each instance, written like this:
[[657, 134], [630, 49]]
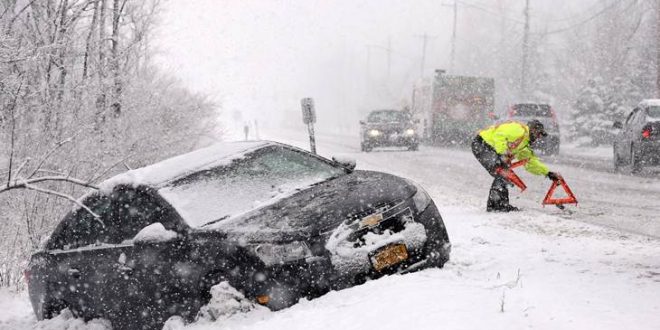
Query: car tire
[[434, 251], [53, 308], [635, 162]]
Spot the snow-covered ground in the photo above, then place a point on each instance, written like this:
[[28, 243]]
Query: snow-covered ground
[[540, 268]]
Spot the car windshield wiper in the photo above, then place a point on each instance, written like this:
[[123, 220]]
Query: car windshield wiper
[[214, 221]]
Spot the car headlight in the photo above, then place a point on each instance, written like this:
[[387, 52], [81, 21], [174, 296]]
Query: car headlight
[[421, 198], [409, 132], [374, 133], [272, 254]]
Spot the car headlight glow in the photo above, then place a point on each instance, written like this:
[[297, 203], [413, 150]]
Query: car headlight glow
[[421, 198], [374, 133], [272, 254], [409, 132]]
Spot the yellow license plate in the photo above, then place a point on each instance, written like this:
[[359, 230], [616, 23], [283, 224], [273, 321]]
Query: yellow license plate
[[371, 220], [390, 256]]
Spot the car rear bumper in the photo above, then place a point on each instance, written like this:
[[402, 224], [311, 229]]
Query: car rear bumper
[[649, 152]]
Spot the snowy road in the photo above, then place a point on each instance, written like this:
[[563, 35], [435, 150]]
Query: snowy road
[[622, 201], [537, 269]]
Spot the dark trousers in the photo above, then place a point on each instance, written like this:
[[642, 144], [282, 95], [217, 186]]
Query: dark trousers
[[498, 196]]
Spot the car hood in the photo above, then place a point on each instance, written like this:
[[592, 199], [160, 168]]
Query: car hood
[[318, 209], [548, 123], [388, 126]]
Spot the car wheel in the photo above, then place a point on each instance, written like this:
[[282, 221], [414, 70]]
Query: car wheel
[[53, 308], [435, 249], [635, 163]]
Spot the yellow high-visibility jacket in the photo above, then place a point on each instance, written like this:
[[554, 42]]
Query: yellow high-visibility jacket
[[512, 139]]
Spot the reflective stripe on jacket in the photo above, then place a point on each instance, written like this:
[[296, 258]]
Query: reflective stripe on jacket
[[512, 139]]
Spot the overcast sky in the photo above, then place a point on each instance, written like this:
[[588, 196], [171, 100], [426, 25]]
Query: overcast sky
[[260, 57]]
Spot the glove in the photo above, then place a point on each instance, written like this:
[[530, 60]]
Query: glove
[[553, 176], [502, 162]]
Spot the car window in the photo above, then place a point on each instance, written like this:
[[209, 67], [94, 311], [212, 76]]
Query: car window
[[122, 215], [133, 210], [79, 228], [257, 180], [389, 116], [532, 110], [631, 115], [654, 112]]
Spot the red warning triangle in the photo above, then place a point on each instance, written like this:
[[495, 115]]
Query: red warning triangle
[[512, 177], [569, 199]]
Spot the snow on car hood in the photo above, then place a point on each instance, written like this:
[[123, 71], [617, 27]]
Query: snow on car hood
[[316, 210], [176, 167]]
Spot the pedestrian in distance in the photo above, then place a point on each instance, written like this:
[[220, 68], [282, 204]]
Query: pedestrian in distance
[[497, 146]]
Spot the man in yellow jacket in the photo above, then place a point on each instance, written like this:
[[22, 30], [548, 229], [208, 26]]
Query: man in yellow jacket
[[496, 146]]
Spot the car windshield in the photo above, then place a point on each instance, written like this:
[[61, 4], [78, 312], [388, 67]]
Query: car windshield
[[260, 179], [387, 116], [532, 110], [654, 112]]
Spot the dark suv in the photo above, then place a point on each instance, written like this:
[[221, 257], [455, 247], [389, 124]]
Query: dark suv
[[389, 128], [524, 112], [638, 142], [275, 222]]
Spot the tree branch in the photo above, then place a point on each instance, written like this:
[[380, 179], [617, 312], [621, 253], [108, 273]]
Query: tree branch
[[47, 155], [65, 196], [25, 183]]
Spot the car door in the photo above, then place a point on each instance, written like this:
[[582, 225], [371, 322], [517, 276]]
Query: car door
[[142, 269], [624, 141], [80, 249]]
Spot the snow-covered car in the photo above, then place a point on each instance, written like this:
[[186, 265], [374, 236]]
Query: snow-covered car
[[276, 222], [524, 112], [388, 128], [638, 141]]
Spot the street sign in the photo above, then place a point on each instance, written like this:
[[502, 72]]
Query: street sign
[[308, 112], [309, 118]]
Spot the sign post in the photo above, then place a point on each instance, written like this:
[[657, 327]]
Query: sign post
[[309, 118]]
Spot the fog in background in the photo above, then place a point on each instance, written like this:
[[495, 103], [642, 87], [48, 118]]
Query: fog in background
[[258, 58]]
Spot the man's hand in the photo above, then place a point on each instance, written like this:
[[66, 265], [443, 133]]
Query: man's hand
[[553, 176], [502, 162]]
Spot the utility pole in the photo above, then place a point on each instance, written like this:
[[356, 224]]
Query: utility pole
[[525, 53], [453, 34], [453, 38], [657, 48], [425, 38], [389, 56]]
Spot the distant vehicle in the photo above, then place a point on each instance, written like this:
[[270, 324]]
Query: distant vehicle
[[458, 108], [389, 128], [275, 222], [637, 143], [524, 112]]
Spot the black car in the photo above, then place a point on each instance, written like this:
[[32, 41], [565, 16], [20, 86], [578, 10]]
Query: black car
[[274, 221], [524, 112], [388, 128], [637, 144]]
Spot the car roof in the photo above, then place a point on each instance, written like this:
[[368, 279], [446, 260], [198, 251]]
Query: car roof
[[159, 174], [650, 102]]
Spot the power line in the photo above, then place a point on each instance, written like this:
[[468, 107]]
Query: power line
[[591, 18], [488, 11]]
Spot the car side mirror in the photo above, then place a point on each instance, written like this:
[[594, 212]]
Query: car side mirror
[[347, 163], [617, 124], [362, 122], [155, 233]]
